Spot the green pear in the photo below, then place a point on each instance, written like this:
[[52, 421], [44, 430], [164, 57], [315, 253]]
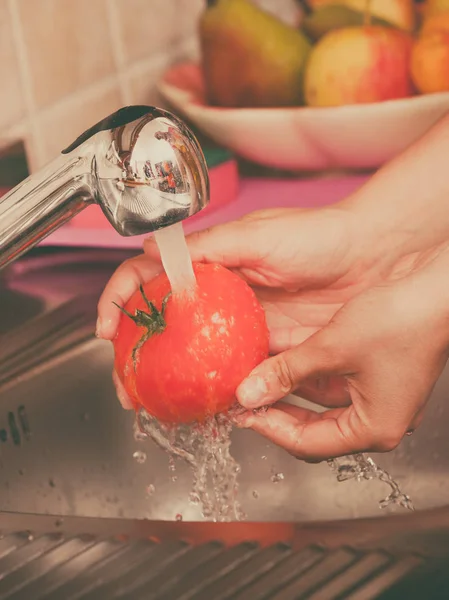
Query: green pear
[[335, 16], [249, 57]]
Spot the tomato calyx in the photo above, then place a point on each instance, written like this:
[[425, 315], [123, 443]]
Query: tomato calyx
[[153, 321]]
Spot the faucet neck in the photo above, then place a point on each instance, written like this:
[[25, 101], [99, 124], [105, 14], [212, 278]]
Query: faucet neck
[[42, 203]]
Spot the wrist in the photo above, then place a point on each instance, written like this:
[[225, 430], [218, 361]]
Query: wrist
[[404, 207], [428, 296], [374, 241]]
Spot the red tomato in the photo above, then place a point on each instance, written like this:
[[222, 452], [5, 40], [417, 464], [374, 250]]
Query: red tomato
[[185, 359]]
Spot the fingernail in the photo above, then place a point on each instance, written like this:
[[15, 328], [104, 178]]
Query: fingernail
[[124, 400], [98, 326], [242, 421], [252, 392]]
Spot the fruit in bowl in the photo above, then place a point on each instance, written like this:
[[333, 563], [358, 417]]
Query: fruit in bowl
[[348, 100], [430, 55], [434, 7], [334, 16], [250, 58], [357, 65], [400, 13]]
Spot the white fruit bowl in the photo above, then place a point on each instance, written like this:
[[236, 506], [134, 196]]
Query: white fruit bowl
[[305, 139]]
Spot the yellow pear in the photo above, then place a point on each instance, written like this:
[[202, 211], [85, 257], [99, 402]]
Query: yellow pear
[[249, 57]]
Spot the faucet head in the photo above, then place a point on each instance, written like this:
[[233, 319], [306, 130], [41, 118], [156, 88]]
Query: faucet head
[[148, 170]]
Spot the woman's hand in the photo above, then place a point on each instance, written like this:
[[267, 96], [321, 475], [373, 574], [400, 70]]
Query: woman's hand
[[389, 344], [303, 265]]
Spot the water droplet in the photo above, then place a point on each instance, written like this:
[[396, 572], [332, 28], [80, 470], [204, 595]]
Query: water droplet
[[30, 536], [255, 494], [139, 456], [59, 522], [171, 464], [150, 489], [51, 482], [260, 410], [263, 457], [194, 499], [179, 517], [174, 478], [139, 435], [277, 477]]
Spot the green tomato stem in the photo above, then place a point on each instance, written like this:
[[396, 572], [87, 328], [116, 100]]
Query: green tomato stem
[[152, 321]]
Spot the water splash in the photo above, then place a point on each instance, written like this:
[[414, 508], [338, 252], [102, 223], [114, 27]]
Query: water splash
[[205, 447], [361, 467], [139, 456]]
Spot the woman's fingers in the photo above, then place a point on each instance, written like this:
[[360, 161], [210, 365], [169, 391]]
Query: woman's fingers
[[119, 289], [121, 392], [233, 244], [284, 338], [315, 438]]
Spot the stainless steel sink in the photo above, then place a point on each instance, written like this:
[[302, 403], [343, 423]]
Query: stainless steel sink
[[67, 447]]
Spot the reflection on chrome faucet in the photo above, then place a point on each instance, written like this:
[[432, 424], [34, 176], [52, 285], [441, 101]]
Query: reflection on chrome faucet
[[141, 164]]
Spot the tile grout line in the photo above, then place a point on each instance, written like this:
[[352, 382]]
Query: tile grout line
[[81, 95], [118, 51], [100, 86], [37, 155], [159, 59]]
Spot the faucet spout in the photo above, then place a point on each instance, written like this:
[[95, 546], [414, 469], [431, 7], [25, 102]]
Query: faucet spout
[[142, 165]]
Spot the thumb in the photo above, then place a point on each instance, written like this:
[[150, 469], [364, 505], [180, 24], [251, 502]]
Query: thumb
[[280, 375]]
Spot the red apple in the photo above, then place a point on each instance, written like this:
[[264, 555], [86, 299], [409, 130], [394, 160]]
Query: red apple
[[359, 65]]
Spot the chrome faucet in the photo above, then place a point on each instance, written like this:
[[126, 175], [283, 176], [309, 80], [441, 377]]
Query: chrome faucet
[[142, 165]]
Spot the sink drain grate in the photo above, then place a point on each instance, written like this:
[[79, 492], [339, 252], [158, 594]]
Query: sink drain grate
[[56, 567]]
